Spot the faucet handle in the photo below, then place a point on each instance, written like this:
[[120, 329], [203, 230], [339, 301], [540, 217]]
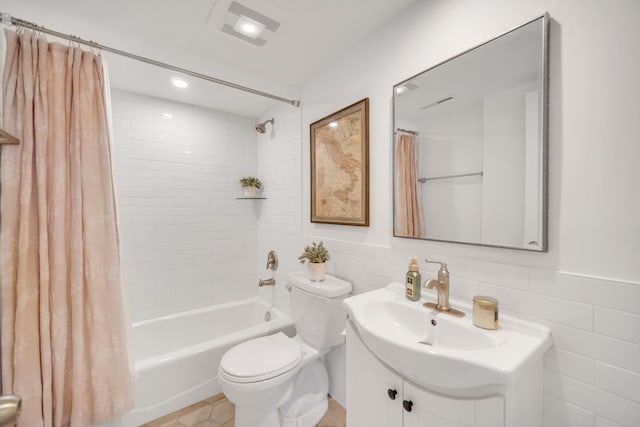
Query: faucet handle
[[433, 261], [443, 266], [272, 260]]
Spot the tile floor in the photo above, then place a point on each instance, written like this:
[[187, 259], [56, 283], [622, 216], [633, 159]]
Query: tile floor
[[217, 411]]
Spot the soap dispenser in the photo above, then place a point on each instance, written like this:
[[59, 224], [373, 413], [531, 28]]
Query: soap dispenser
[[413, 280]]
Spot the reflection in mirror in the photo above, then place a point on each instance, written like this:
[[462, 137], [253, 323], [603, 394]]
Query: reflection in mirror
[[470, 145]]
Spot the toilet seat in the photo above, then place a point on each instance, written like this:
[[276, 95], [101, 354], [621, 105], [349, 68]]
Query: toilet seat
[[261, 359]]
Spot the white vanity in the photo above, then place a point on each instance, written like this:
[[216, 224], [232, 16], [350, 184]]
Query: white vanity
[[411, 366]]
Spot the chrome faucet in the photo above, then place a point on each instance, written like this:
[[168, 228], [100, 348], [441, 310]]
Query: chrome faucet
[[442, 286], [272, 264]]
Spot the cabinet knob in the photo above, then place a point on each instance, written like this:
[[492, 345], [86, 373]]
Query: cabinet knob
[[408, 405], [392, 393]]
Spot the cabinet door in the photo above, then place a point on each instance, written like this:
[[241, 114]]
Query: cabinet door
[[432, 410], [371, 386], [374, 394]]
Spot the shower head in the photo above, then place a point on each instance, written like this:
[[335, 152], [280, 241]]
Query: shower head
[[262, 127]]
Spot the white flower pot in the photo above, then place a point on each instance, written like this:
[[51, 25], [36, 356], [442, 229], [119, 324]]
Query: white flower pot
[[250, 191], [317, 271]]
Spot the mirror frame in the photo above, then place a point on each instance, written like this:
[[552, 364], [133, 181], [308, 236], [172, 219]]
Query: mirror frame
[[544, 136]]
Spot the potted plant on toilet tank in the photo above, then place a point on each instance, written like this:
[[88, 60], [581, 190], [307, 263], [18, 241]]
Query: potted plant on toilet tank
[[250, 186], [316, 257]]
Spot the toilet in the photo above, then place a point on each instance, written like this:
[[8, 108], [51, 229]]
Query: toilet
[[278, 381]]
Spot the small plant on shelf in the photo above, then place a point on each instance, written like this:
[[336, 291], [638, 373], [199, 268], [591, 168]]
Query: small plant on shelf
[[250, 181], [250, 186]]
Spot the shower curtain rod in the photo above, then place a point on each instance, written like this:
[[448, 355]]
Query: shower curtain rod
[[412, 132], [11, 20]]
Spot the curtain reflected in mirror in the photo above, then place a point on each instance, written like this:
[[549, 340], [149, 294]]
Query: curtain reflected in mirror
[[408, 221]]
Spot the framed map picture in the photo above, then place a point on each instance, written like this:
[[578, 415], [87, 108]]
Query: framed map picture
[[340, 167]]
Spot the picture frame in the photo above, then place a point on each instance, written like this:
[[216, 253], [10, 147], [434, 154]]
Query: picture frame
[[340, 166]]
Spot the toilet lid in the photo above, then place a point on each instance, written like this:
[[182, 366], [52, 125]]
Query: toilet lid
[[261, 358]]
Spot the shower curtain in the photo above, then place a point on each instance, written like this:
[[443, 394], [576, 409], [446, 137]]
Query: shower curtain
[[408, 213], [62, 328]]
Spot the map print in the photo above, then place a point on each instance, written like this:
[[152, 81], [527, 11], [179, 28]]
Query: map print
[[338, 168]]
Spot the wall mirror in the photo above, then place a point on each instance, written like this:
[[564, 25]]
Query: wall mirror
[[470, 145]]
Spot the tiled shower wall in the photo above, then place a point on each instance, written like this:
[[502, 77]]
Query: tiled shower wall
[[186, 241], [280, 218]]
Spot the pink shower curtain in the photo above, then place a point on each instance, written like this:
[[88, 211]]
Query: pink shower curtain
[[63, 332], [408, 213]]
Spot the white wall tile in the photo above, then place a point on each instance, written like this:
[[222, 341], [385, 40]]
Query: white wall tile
[[570, 364], [185, 240], [547, 422], [617, 295], [510, 300], [559, 285], [618, 381], [618, 324], [567, 414], [601, 292], [587, 397], [561, 311], [613, 407], [603, 422], [613, 351], [570, 390], [509, 276], [616, 352]]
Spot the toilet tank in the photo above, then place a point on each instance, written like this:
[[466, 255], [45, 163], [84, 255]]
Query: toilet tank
[[317, 309]]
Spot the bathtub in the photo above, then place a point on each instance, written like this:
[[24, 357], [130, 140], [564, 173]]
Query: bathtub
[[177, 356]]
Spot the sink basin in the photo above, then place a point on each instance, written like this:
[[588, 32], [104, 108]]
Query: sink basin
[[440, 351], [426, 326]]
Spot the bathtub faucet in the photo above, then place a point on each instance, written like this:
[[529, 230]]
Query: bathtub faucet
[[272, 264], [267, 282]]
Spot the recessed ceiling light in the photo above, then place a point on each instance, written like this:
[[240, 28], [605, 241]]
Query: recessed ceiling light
[[167, 115], [248, 27], [333, 124], [177, 82], [405, 88]]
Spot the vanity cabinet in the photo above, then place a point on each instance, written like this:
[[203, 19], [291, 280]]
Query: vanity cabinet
[[378, 397]]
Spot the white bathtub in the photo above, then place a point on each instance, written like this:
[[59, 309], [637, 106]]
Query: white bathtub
[[177, 356]]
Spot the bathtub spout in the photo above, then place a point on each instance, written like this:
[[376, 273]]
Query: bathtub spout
[[267, 282]]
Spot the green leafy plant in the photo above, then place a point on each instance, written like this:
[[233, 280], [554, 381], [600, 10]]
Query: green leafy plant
[[250, 181], [316, 253]]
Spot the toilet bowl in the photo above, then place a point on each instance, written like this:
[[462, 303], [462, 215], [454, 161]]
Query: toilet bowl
[[277, 381]]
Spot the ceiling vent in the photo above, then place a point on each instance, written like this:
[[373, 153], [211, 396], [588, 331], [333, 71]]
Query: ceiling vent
[[252, 21]]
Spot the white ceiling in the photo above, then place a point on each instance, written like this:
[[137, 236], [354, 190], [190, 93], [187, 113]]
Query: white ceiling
[[179, 32]]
